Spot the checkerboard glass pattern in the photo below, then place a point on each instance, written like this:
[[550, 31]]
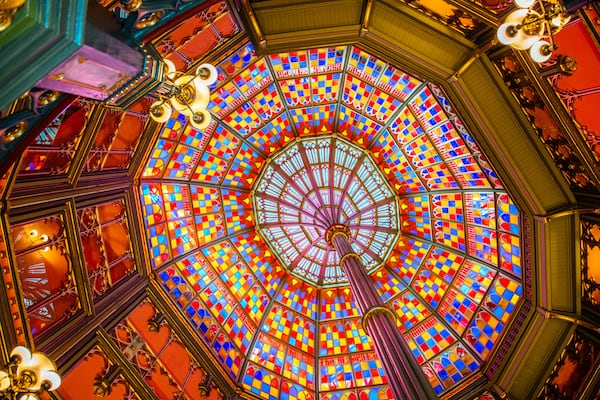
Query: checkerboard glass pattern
[[452, 274]]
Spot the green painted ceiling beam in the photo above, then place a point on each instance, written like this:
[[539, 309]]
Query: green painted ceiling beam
[[43, 33]]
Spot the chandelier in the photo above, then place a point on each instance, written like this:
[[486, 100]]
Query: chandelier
[[185, 93], [7, 9], [532, 26], [27, 375]]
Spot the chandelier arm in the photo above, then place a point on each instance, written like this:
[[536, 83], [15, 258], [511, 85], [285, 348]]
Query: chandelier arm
[[532, 27], [27, 375], [186, 93]]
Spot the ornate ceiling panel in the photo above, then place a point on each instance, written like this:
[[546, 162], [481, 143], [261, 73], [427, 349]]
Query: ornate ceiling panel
[[453, 277]]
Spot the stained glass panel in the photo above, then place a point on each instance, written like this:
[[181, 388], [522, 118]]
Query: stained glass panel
[[303, 140]]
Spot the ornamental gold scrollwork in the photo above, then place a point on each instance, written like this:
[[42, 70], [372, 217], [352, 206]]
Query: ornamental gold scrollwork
[[8, 8], [149, 19], [14, 133], [335, 230], [131, 5]]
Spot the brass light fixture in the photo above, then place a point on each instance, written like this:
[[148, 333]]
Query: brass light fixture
[[532, 27], [187, 94], [27, 375], [7, 9]]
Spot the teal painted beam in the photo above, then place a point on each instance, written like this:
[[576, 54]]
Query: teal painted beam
[[43, 34], [168, 12]]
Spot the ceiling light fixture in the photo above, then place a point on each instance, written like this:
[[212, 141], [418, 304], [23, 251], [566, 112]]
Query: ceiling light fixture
[[187, 94], [27, 375], [532, 27], [7, 9]]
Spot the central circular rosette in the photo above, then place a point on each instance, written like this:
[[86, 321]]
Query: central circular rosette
[[312, 184]]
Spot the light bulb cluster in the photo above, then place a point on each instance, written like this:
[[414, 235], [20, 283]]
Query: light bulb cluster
[[33, 234], [187, 94], [27, 375], [532, 26]]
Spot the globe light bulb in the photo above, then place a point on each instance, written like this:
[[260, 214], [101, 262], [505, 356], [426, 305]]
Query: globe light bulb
[[200, 119], [160, 111], [208, 74], [170, 70], [524, 3], [540, 51]]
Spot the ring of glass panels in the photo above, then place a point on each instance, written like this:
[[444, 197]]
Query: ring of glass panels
[[315, 183]]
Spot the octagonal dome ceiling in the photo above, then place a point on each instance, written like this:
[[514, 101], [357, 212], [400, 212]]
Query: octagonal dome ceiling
[[449, 263], [313, 184]]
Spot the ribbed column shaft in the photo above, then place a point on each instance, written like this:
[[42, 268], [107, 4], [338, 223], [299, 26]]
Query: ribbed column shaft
[[405, 376], [365, 294]]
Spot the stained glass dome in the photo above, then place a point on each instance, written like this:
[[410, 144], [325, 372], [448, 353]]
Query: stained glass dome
[[316, 183], [279, 316]]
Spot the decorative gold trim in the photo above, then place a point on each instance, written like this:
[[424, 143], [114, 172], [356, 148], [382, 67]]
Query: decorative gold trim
[[156, 321], [95, 116], [375, 310], [131, 5], [48, 97], [149, 19], [260, 37], [335, 230], [348, 255], [127, 370], [8, 8], [11, 4], [15, 132], [566, 213], [137, 231], [103, 384], [366, 19], [78, 266], [188, 336], [566, 64], [569, 318], [456, 76], [334, 234]]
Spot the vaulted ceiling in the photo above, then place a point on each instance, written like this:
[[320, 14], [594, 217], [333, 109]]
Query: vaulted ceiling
[[302, 141], [135, 245]]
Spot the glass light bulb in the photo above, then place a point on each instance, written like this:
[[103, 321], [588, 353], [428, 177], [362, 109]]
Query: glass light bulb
[[541, 51], [560, 20], [521, 29], [202, 97], [38, 369], [29, 396], [22, 353], [507, 33], [51, 378], [516, 17], [171, 71], [524, 42], [186, 93], [524, 3], [200, 119], [160, 112], [193, 95], [207, 73], [31, 374]]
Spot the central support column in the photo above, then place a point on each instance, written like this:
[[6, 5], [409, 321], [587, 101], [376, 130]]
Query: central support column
[[404, 374]]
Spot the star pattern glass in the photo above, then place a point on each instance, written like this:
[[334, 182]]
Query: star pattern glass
[[290, 133]]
